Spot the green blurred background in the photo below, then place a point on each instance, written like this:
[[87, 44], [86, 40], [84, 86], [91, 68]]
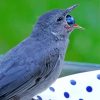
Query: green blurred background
[[17, 18]]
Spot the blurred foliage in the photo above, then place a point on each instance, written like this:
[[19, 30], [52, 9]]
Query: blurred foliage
[[17, 18]]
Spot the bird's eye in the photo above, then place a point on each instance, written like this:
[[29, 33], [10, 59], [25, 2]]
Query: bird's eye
[[70, 20], [59, 19]]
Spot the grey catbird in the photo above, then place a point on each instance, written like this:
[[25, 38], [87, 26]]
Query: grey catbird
[[34, 64]]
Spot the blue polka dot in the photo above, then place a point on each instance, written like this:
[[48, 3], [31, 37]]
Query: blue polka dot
[[89, 89], [98, 76], [81, 99], [39, 98], [52, 89], [66, 94], [73, 82]]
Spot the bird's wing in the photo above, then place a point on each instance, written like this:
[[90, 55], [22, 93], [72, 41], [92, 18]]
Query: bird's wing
[[49, 62], [14, 72]]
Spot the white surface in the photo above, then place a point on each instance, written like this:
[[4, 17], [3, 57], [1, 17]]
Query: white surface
[[77, 91]]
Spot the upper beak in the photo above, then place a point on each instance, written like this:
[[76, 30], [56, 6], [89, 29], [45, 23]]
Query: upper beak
[[68, 10], [76, 26]]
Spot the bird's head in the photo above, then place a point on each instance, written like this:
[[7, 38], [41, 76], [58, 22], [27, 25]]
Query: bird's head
[[57, 22]]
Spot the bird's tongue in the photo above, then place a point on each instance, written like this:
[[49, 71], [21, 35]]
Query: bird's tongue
[[76, 26]]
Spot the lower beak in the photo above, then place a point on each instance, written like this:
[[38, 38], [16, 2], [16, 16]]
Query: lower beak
[[76, 26]]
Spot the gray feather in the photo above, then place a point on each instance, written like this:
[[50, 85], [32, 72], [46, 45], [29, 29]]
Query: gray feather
[[34, 64]]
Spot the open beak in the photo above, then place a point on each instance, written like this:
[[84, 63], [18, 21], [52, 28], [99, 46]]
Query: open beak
[[76, 26]]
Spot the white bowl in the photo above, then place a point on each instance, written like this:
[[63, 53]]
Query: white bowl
[[82, 86]]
